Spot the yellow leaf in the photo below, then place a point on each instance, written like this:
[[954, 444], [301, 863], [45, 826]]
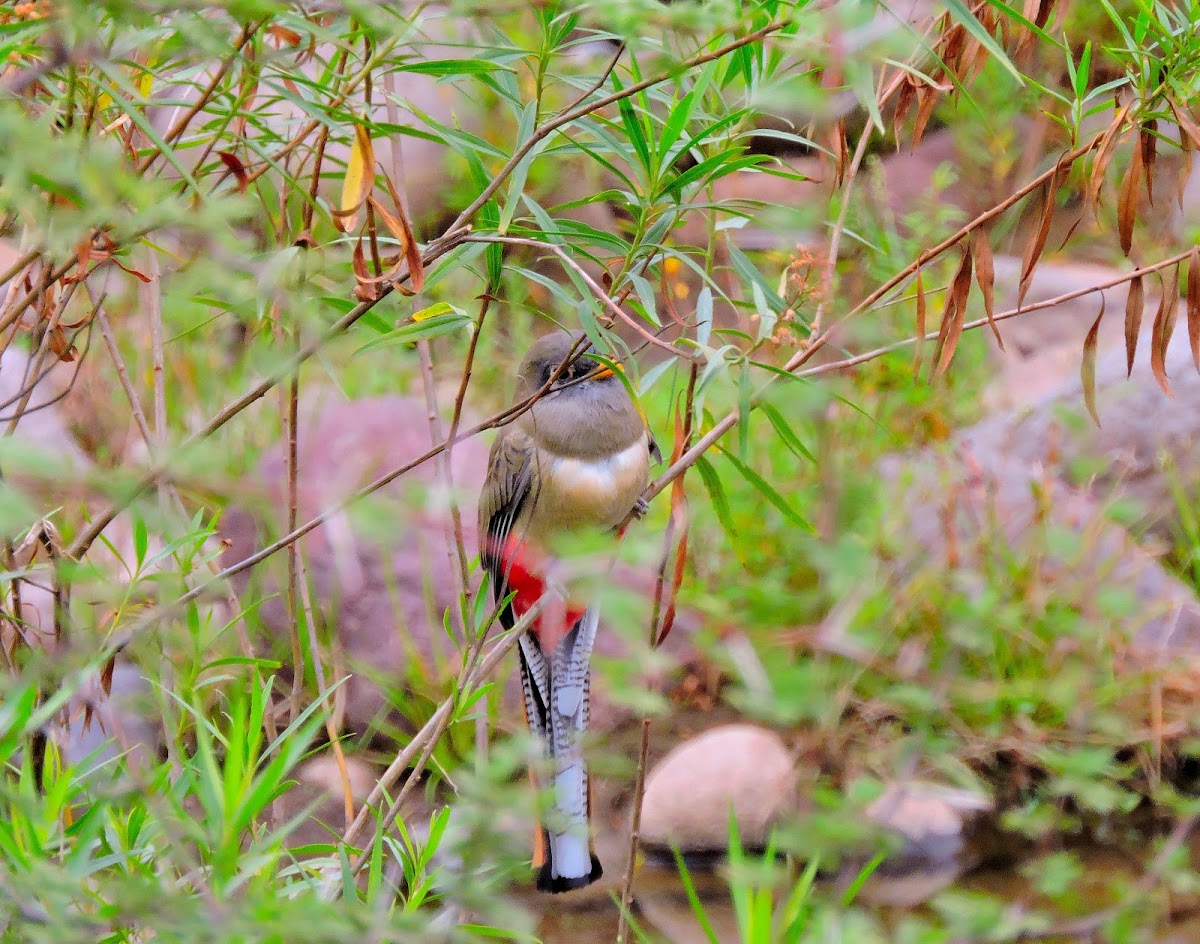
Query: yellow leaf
[[360, 177], [440, 308]]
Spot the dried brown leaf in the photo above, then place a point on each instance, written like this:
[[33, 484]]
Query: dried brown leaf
[[927, 98], [1193, 305], [954, 315], [282, 35], [1135, 304], [1187, 124], [904, 101], [1087, 369], [1104, 153], [985, 275], [1127, 201], [1033, 251], [1164, 327], [61, 345], [106, 675], [236, 167], [365, 290], [1148, 145], [412, 252]]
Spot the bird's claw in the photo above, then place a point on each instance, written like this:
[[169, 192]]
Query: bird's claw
[[640, 507]]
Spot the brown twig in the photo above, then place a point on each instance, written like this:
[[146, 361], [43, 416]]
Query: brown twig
[[468, 678], [180, 126], [806, 352], [579, 271]]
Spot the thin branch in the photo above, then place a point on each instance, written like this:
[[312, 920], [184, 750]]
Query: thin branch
[[805, 353], [151, 476], [432, 729], [586, 108], [600, 294], [878, 352]]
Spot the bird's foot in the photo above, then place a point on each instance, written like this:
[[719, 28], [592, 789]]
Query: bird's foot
[[640, 508]]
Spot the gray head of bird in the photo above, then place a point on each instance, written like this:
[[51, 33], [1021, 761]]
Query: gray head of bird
[[587, 411], [547, 354]]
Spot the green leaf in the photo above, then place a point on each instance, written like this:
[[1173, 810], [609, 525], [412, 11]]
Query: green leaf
[[704, 315], [785, 433], [634, 129], [449, 320], [767, 491], [716, 494], [141, 542], [451, 67]]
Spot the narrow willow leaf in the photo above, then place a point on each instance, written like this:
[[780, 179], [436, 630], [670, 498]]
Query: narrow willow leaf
[[767, 491], [1164, 327], [954, 315], [985, 275], [786, 434], [1148, 145], [1104, 153], [430, 326], [1134, 306], [1193, 305], [360, 175], [1087, 369], [1033, 252], [716, 494], [1127, 201]]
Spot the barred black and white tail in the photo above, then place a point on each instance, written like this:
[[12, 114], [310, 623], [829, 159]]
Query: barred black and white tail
[[556, 693]]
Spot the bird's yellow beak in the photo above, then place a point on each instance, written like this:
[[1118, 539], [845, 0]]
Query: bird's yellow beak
[[603, 370]]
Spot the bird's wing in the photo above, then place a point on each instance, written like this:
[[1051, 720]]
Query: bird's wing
[[507, 492]]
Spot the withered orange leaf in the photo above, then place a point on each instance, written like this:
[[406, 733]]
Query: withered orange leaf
[[61, 345], [1134, 305], [1187, 124], [1148, 145], [1104, 153], [1164, 327], [1127, 201], [1087, 369], [985, 275], [904, 100], [954, 315], [926, 98], [1033, 251], [412, 252], [236, 167], [359, 179]]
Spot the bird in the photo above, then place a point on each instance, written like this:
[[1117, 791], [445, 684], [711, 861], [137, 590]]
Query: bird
[[577, 460]]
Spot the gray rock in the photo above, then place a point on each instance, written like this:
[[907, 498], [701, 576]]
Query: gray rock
[[987, 486], [692, 790]]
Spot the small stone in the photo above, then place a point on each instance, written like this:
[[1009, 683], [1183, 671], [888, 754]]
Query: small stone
[[689, 792], [930, 817]]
